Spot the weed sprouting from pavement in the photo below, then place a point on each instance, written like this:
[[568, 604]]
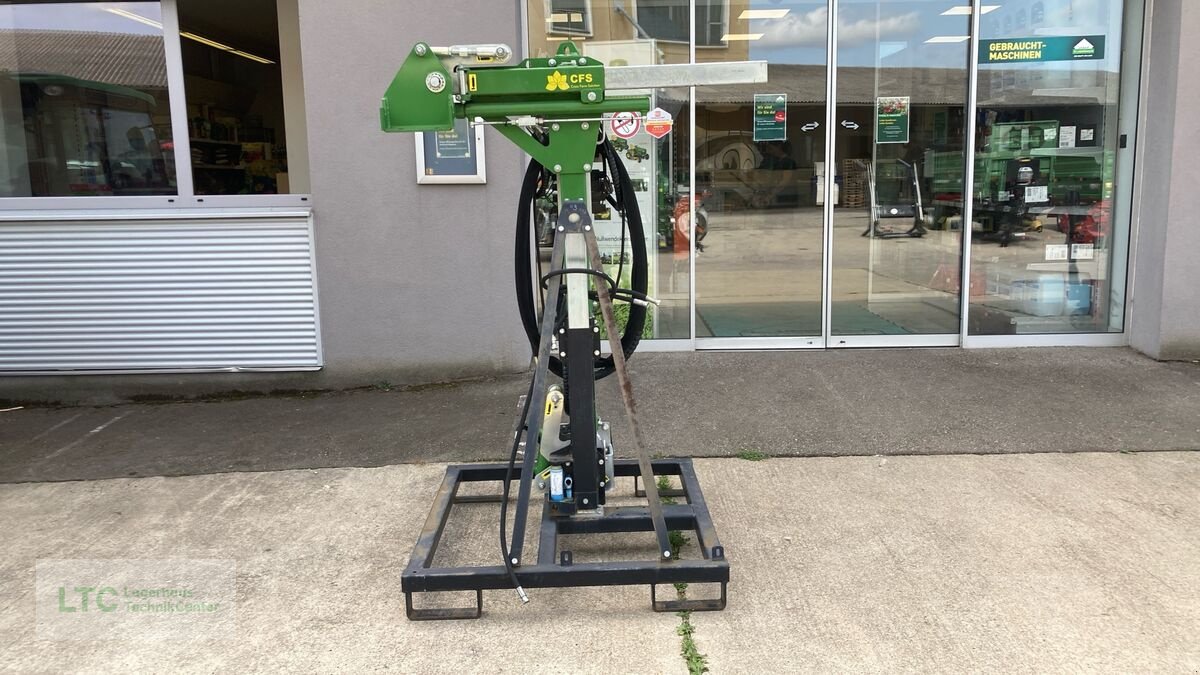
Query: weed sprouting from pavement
[[697, 663]]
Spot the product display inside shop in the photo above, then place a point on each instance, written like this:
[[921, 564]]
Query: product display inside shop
[[235, 100], [1052, 168]]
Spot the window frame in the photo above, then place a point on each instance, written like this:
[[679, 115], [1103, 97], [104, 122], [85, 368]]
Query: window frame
[[694, 7], [586, 31], [185, 196]]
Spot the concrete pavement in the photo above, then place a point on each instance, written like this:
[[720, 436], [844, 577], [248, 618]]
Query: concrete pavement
[[1021, 562], [828, 403]]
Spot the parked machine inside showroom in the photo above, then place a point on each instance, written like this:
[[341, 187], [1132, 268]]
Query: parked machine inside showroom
[[555, 109]]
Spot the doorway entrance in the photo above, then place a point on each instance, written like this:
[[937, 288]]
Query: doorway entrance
[[829, 193]]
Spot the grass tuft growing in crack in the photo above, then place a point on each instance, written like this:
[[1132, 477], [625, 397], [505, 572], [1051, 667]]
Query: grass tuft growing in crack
[[697, 663]]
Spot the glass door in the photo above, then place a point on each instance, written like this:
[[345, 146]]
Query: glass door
[[760, 154], [902, 72]]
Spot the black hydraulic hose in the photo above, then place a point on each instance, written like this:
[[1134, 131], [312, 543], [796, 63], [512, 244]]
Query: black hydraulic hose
[[639, 277], [612, 283], [522, 262], [512, 461], [611, 159]]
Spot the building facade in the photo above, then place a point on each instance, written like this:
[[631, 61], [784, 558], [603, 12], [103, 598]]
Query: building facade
[[196, 196]]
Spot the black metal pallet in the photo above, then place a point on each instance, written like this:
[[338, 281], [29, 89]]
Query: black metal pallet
[[560, 571]]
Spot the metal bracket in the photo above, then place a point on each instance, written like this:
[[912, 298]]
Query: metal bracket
[[574, 217], [442, 614], [707, 605]]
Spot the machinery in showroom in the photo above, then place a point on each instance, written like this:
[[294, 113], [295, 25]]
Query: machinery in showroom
[[554, 109]]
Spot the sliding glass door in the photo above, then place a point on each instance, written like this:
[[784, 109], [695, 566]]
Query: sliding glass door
[[760, 158], [898, 155], [831, 205], [834, 225]]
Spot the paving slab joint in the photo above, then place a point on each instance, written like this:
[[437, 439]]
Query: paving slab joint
[[696, 662]]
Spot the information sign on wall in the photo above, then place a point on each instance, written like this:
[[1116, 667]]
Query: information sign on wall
[[451, 156], [1042, 48], [770, 117], [891, 119]]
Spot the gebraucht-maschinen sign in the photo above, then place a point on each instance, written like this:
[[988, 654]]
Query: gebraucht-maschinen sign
[[1044, 48]]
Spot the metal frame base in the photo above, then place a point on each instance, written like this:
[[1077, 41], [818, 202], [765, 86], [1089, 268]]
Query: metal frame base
[[558, 570]]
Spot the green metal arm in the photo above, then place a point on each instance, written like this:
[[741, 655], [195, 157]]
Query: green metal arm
[[564, 94]]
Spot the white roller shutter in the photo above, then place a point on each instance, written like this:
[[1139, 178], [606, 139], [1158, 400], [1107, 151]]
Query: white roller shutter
[[145, 293]]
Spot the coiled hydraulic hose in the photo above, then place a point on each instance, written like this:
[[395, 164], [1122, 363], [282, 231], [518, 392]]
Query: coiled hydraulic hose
[[626, 205]]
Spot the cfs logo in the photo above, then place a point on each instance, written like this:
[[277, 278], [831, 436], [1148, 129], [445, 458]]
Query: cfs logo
[[558, 81]]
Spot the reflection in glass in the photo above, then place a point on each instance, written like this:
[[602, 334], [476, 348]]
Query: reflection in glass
[[1045, 170], [760, 154], [902, 85], [83, 101], [618, 34]]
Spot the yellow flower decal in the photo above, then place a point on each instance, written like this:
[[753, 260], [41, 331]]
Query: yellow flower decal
[[556, 81]]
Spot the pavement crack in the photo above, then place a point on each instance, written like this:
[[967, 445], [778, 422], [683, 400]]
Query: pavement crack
[[696, 662]]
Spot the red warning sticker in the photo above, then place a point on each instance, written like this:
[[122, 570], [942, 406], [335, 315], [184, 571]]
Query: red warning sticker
[[658, 123]]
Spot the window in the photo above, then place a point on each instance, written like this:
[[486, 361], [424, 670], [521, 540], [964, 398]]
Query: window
[[1049, 244], [234, 88], [83, 101], [91, 101], [569, 17], [668, 20]]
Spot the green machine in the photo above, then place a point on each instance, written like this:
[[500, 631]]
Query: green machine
[[1081, 174], [556, 109]]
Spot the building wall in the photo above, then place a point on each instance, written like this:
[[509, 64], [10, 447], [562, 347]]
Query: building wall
[[391, 305], [392, 308], [1165, 313]]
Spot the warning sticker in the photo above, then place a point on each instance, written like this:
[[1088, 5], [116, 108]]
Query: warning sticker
[[658, 123], [625, 124]]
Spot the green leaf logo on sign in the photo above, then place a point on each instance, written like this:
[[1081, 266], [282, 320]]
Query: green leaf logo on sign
[[1042, 49]]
